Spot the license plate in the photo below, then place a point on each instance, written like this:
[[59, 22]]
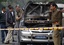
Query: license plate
[[40, 37]]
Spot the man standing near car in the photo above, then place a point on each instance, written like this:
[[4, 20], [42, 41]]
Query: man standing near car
[[18, 16], [3, 21], [10, 23], [56, 17]]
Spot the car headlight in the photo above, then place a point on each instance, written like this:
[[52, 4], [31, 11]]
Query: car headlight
[[25, 32]]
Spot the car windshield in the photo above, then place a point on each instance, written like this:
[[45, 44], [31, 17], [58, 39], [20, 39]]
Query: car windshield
[[36, 14]]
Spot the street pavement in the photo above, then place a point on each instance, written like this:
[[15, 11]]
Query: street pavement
[[1, 42], [12, 43]]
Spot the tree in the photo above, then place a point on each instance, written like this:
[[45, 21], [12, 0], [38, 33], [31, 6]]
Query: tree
[[63, 1], [2, 0]]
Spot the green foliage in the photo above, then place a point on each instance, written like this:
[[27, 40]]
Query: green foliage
[[62, 0], [2, 0]]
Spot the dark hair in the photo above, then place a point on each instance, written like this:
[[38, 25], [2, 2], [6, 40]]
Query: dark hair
[[51, 2], [54, 4], [3, 8], [10, 7]]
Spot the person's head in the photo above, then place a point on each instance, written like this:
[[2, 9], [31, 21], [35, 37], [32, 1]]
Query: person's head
[[9, 6], [17, 7], [3, 9], [10, 9], [53, 6], [48, 3]]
